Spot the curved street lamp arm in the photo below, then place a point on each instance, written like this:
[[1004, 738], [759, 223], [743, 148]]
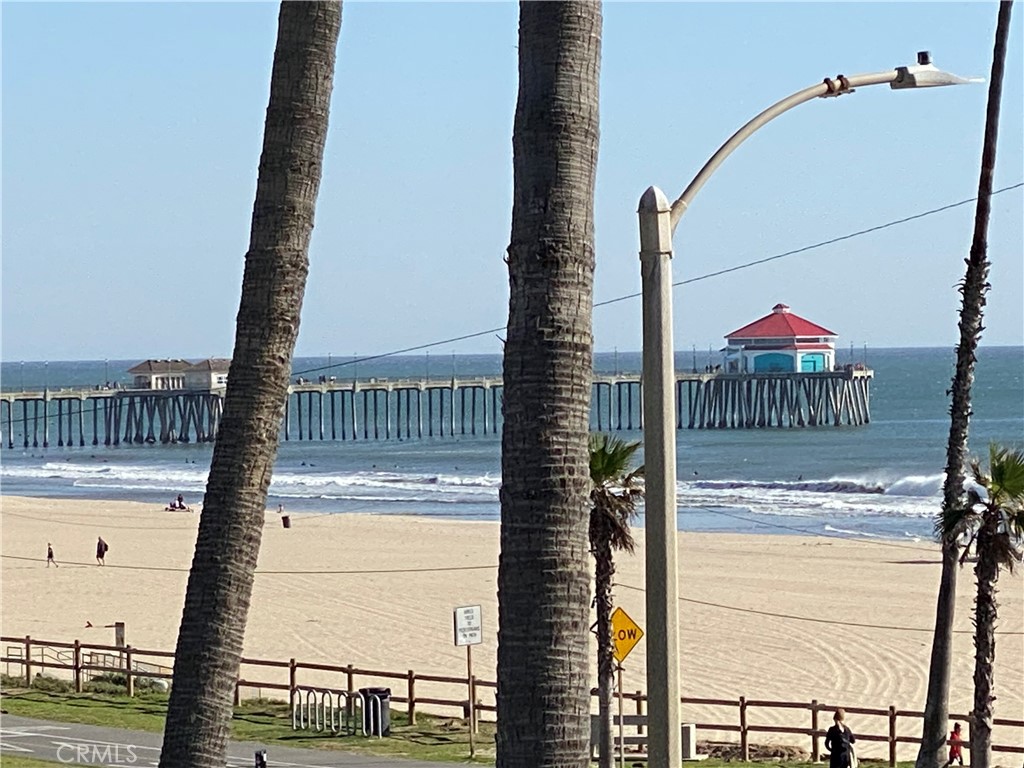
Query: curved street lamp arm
[[827, 87]]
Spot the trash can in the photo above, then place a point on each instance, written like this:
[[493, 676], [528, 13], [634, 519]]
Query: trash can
[[376, 701], [286, 521]]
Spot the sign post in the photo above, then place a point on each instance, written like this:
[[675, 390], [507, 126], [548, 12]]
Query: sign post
[[469, 631], [626, 633]]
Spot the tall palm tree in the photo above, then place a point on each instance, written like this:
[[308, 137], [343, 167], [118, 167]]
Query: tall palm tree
[[995, 526], [614, 496], [543, 573], [973, 289], [220, 582]]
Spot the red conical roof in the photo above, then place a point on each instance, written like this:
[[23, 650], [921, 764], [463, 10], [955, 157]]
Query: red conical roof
[[781, 323]]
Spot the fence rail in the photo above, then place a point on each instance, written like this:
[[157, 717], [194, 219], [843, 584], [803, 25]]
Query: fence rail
[[32, 654]]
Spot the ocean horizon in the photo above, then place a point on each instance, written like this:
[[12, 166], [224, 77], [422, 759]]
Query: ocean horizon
[[880, 480]]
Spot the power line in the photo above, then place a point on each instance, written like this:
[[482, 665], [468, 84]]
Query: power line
[[360, 572], [688, 281], [812, 619], [263, 572]]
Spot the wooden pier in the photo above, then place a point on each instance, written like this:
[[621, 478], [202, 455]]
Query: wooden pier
[[381, 409]]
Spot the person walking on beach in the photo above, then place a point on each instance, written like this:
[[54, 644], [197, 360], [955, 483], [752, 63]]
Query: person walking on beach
[[101, 551], [956, 742], [49, 559], [838, 741]]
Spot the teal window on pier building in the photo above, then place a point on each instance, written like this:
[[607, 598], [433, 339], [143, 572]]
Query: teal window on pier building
[[774, 362], [812, 363]]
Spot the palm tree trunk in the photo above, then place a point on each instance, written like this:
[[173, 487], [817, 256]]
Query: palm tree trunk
[[219, 588], [985, 613], [987, 569], [604, 572], [973, 289], [543, 693], [932, 752]]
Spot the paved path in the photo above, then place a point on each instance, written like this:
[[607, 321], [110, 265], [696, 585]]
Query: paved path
[[76, 744]]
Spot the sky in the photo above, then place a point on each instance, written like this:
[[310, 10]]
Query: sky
[[132, 133]]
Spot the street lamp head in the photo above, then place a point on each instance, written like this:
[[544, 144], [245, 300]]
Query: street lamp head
[[924, 74]]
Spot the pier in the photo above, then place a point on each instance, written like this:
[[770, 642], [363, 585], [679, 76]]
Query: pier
[[381, 409]]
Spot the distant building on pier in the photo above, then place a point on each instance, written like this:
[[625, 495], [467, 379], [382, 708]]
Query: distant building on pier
[[780, 342], [210, 373], [180, 374]]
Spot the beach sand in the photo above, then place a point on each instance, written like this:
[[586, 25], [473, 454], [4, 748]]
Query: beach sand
[[781, 618]]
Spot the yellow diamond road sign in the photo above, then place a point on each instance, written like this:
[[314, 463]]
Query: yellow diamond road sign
[[626, 633]]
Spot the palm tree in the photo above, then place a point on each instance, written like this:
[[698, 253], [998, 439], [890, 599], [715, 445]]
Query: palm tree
[[614, 495], [209, 645], [995, 526], [543, 693], [932, 753]]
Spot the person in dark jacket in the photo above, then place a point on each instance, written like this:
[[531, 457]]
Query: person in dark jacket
[[838, 739], [101, 551]]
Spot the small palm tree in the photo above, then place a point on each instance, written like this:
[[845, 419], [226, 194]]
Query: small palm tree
[[995, 526], [614, 495]]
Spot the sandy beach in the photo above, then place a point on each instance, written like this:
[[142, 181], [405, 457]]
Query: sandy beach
[[766, 617]]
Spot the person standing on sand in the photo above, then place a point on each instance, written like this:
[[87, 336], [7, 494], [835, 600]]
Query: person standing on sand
[[101, 551], [838, 741], [956, 742], [49, 558]]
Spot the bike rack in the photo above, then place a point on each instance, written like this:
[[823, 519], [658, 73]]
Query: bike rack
[[376, 708], [322, 710]]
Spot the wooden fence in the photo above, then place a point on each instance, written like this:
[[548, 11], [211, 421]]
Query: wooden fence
[[887, 726]]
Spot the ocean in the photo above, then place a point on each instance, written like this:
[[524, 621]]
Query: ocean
[[881, 480]]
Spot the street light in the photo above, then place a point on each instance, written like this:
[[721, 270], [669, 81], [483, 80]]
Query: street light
[[658, 221]]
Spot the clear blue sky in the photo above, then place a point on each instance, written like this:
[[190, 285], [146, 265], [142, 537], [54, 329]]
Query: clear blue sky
[[132, 131]]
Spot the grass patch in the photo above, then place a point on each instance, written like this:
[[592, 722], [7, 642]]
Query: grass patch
[[13, 761], [267, 722]]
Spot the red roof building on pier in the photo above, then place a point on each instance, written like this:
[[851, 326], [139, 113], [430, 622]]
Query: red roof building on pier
[[780, 342]]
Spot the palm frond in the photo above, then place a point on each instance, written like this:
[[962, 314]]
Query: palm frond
[[611, 459], [954, 522], [1006, 474]]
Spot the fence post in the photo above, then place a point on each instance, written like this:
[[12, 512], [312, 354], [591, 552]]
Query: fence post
[[412, 697], [77, 662], [291, 684], [28, 661], [744, 744], [640, 712], [351, 688], [128, 671], [815, 755], [238, 693], [892, 736]]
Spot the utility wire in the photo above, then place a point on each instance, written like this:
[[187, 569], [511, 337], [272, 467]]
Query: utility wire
[[815, 620], [262, 571], [360, 572], [688, 281]]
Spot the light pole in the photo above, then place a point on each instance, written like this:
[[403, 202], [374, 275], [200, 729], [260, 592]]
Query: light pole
[[658, 221]]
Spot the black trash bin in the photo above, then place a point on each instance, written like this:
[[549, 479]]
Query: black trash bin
[[376, 700]]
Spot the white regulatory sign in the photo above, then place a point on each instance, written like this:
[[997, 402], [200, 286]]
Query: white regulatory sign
[[469, 625]]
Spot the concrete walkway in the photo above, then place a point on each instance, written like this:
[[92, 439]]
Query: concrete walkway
[[76, 744]]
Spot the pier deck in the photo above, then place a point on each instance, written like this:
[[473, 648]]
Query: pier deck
[[385, 409]]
